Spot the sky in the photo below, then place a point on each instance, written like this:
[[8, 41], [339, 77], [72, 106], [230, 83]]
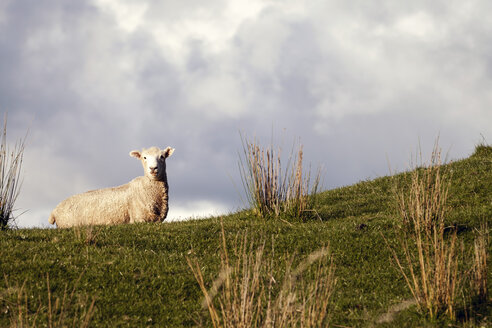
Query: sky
[[358, 83]]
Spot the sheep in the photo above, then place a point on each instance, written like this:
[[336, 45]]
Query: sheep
[[144, 199]]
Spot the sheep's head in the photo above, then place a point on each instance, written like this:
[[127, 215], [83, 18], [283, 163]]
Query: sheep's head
[[153, 161]]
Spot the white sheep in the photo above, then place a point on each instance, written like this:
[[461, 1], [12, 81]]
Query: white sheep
[[144, 199]]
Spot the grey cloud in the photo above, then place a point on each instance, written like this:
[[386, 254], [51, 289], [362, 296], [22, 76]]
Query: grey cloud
[[186, 9], [38, 56]]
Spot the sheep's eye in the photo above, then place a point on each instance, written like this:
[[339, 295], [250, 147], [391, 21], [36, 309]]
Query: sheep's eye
[[145, 157]]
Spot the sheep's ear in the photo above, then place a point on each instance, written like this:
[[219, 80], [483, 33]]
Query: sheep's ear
[[135, 153], [168, 152]]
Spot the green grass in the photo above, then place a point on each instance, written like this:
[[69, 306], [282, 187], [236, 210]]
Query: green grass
[[138, 274]]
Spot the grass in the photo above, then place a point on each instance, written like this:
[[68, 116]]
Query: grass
[[480, 269], [138, 274], [70, 310], [10, 181], [433, 275], [246, 294], [272, 190]]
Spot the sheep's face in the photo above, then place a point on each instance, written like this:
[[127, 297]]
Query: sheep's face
[[153, 161]]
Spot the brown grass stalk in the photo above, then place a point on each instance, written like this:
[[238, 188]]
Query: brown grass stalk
[[272, 190], [87, 234], [246, 293], [57, 311], [10, 181], [479, 268], [432, 274]]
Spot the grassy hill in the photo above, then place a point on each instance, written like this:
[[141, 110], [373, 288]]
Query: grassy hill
[[137, 275]]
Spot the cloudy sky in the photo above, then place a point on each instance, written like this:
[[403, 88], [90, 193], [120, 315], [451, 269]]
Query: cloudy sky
[[359, 82]]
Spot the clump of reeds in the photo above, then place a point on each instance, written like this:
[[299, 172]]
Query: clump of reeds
[[10, 182], [432, 275], [70, 310], [247, 292], [272, 190]]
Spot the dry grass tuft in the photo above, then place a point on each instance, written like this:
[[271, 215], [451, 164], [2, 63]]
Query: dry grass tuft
[[10, 182], [87, 234], [247, 294], [69, 311], [432, 275], [272, 190], [479, 268]]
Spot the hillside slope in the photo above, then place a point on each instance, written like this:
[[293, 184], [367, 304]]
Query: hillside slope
[[138, 275]]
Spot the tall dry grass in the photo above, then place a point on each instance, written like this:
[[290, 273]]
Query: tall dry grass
[[248, 292], [272, 190], [478, 282], [70, 310], [432, 274], [10, 181]]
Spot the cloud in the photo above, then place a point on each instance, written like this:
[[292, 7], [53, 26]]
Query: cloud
[[356, 81]]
